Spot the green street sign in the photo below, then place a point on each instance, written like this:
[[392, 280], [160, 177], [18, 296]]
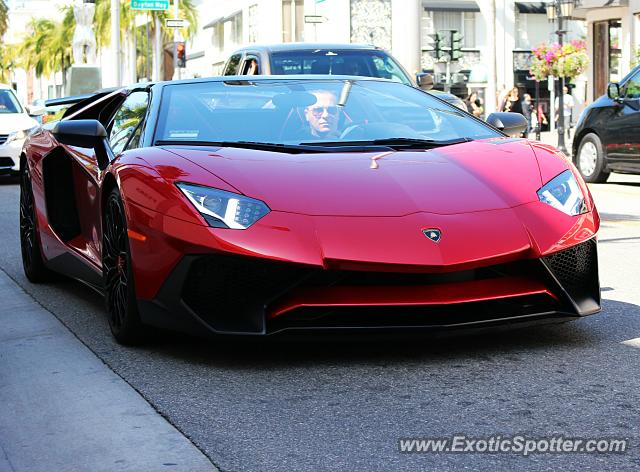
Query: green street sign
[[150, 4]]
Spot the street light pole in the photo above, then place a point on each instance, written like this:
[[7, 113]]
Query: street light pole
[[560, 10], [176, 38], [561, 145], [115, 40], [538, 118]]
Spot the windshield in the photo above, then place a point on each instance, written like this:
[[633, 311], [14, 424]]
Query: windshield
[[367, 63], [299, 111], [8, 102]]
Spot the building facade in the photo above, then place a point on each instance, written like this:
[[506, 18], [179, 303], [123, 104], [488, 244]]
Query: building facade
[[613, 40], [498, 35], [29, 87]]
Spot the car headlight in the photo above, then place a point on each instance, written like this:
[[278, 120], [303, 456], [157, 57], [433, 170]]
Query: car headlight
[[564, 194], [17, 135], [224, 209]]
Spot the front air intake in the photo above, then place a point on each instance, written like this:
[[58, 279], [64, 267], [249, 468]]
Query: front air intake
[[576, 270]]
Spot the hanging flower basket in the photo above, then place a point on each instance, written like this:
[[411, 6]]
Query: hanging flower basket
[[568, 61]]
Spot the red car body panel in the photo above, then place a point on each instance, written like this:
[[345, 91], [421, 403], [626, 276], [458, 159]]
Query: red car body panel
[[347, 185]]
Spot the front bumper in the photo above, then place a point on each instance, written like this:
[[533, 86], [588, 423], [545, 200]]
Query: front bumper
[[228, 294], [10, 156]]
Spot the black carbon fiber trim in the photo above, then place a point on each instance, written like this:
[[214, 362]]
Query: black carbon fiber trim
[[230, 293], [576, 270]]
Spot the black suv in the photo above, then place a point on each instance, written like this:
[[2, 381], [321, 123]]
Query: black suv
[[607, 137]]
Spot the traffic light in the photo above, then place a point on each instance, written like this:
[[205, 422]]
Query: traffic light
[[437, 51], [181, 54], [456, 45]]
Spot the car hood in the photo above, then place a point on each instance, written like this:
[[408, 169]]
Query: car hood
[[469, 177], [10, 122]]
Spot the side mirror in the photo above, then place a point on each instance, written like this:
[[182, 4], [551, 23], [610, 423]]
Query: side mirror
[[81, 133], [87, 134], [613, 91], [511, 124], [34, 110], [424, 81]]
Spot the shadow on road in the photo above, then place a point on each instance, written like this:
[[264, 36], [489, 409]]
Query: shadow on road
[[617, 322], [321, 349]]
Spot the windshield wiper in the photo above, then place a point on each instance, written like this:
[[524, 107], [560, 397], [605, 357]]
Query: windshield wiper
[[302, 148], [394, 143]]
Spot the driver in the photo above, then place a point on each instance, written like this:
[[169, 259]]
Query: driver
[[322, 116]]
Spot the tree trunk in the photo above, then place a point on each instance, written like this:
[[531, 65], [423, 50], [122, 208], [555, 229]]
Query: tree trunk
[[64, 75]]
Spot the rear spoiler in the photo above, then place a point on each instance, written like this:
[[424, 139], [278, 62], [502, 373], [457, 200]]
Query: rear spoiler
[[54, 102]]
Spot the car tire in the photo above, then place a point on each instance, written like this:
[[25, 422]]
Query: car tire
[[120, 294], [32, 260], [590, 159]]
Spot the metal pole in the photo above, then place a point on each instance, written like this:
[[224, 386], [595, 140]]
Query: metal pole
[[561, 145], [176, 35], [538, 110], [115, 40], [147, 58], [447, 77]]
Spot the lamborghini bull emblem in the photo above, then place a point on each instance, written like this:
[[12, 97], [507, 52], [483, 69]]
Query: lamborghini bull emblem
[[433, 234]]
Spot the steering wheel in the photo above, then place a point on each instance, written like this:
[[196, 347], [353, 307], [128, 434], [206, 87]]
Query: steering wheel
[[351, 132]]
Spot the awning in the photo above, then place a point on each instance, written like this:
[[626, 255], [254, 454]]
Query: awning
[[221, 19], [451, 6], [532, 7]]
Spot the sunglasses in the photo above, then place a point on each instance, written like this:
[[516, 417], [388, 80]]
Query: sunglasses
[[318, 111]]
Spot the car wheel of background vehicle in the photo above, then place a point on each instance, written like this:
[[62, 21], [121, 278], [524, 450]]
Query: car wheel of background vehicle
[[32, 261], [590, 159], [122, 306]]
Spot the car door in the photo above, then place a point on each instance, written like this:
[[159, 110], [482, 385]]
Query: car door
[[623, 136], [124, 131]]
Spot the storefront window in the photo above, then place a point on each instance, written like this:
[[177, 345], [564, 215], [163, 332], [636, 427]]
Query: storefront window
[[615, 50], [607, 54]]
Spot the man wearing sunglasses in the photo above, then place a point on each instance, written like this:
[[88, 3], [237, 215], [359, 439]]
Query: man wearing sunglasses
[[322, 116]]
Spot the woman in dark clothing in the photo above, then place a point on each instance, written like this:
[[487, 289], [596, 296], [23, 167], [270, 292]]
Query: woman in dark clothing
[[513, 103]]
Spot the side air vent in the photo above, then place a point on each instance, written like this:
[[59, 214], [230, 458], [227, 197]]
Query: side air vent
[[60, 197], [576, 269]]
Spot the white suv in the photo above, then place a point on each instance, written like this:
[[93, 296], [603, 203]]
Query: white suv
[[15, 124]]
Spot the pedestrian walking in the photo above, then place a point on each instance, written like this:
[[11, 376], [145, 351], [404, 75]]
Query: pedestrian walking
[[568, 104]]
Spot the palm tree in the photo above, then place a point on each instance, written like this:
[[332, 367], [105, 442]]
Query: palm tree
[[7, 56], [102, 26], [47, 48], [7, 63], [4, 18], [33, 51]]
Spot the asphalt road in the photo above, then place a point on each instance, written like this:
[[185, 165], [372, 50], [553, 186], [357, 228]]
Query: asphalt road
[[342, 404]]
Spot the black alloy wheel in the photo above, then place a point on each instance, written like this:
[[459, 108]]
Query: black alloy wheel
[[122, 305], [32, 261]]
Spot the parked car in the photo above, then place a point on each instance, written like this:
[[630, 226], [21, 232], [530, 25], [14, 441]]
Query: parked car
[[15, 125], [607, 135], [334, 59], [212, 206]]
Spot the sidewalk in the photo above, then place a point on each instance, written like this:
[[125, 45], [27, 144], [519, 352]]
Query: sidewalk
[[62, 409]]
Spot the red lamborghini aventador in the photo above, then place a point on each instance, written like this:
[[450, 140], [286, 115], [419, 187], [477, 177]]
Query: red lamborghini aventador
[[254, 206]]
